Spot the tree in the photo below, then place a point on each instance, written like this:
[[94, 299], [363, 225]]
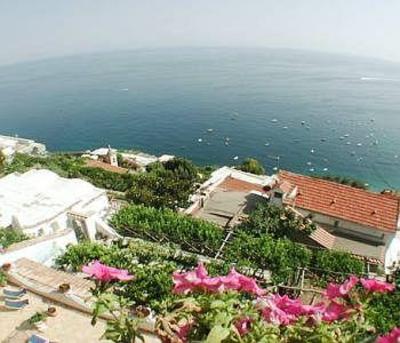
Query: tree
[[182, 168], [275, 221], [251, 165]]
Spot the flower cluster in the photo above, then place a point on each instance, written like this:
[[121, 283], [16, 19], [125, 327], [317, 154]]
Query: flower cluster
[[370, 286], [340, 302], [392, 337], [281, 310], [104, 273], [198, 279]]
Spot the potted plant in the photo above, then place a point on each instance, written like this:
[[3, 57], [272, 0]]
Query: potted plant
[[141, 311], [64, 288], [6, 267], [51, 311], [37, 320]]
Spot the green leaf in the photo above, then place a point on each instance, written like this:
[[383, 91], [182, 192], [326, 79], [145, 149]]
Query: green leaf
[[217, 334]]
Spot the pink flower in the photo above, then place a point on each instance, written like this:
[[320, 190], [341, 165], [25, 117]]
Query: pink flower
[[392, 337], [243, 325], [240, 282], [334, 311], [271, 312], [340, 290], [184, 331], [373, 285], [281, 310], [105, 273], [198, 279]]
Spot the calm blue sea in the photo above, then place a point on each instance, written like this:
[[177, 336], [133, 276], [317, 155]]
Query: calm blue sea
[[319, 113]]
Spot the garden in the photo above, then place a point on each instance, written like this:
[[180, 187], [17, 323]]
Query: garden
[[232, 307], [256, 243]]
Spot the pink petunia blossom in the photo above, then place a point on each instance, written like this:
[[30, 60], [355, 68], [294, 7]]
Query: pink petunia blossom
[[183, 332], [198, 279], [373, 285], [243, 325], [271, 312], [392, 337], [282, 310], [105, 273], [240, 282], [334, 311], [340, 290]]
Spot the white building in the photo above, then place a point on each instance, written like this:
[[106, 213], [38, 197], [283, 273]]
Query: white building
[[39, 202], [9, 146], [228, 196], [363, 223], [138, 159]]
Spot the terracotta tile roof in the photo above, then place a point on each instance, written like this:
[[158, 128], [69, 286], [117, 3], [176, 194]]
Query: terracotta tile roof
[[232, 184], [323, 238], [105, 166], [344, 202]]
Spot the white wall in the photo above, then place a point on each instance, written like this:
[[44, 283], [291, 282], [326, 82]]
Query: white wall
[[392, 252], [350, 228], [99, 205], [59, 223], [44, 251]]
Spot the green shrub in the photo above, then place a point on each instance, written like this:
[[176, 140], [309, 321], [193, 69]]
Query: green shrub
[[11, 236], [282, 257], [165, 225], [383, 311], [83, 253], [339, 262], [37, 317], [251, 165], [276, 221], [165, 185]]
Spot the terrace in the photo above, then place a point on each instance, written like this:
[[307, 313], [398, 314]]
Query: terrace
[[228, 196], [230, 202], [73, 308]]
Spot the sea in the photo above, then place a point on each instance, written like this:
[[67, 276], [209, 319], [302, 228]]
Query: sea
[[307, 112]]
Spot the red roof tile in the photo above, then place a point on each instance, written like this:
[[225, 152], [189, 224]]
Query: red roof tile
[[105, 166], [232, 184], [344, 202]]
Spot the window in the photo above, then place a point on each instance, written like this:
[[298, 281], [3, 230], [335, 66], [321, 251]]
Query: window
[[336, 224], [278, 195]]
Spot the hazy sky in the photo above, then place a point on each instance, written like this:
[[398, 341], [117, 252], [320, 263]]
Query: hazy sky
[[32, 29]]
